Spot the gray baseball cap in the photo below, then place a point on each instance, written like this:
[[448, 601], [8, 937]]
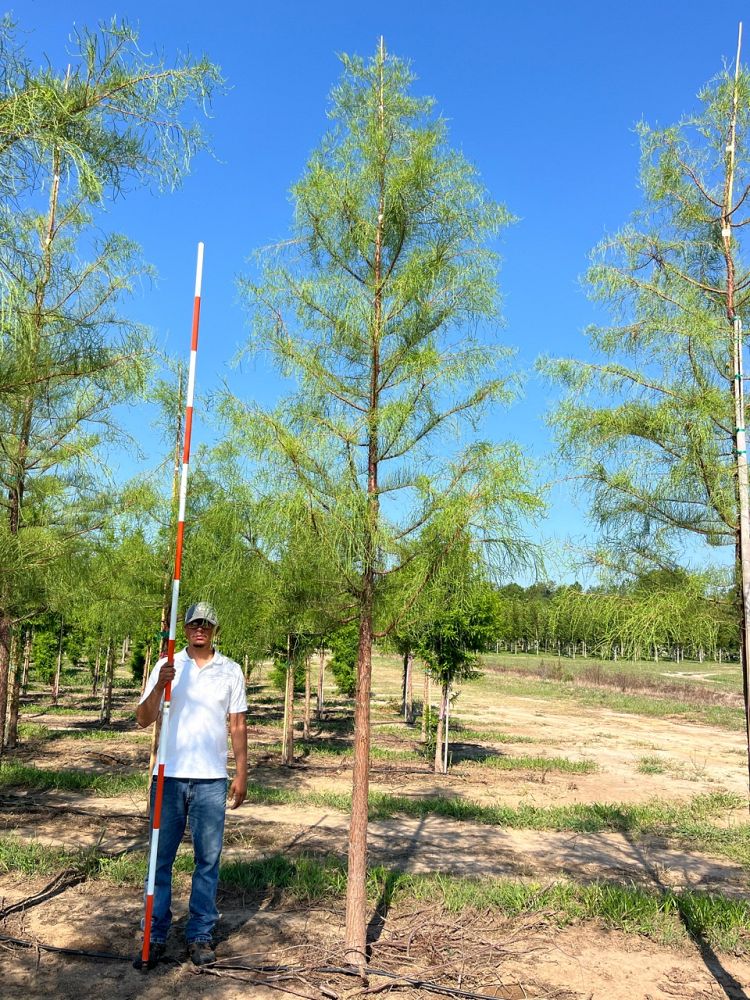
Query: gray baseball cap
[[201, 612]]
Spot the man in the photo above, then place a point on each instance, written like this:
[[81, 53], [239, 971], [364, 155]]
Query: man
[[207, 687]]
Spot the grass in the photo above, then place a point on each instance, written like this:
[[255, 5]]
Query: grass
[[689, 824], [561, 764], [329, 748], [651, 765], [30, 731], [668, 917], [632, 703], [664, 676], [33, 858], [458, 732], [13, 773], [33, 731], [41, 709]]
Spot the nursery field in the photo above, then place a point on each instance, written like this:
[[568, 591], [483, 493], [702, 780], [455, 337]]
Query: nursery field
[[590, 840]]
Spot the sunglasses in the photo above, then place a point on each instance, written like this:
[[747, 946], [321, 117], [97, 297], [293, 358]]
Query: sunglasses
[[204, 625]]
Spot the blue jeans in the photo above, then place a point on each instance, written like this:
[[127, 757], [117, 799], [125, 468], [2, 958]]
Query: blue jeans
[[202, 803]]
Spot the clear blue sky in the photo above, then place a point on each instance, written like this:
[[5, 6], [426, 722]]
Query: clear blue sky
[[541, 96]]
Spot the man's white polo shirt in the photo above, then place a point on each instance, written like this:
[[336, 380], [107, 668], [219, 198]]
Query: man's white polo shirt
[[202, 698]]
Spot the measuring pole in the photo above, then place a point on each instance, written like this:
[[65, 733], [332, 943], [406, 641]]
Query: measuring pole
[[160, 759], [738, 395]]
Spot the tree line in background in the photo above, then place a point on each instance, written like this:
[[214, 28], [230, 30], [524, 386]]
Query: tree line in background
[[363, 508]]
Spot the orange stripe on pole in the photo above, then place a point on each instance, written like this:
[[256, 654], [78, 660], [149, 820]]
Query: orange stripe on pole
[[178, 555], [188, 432], [196, 321], [158, 798], [147, 923]]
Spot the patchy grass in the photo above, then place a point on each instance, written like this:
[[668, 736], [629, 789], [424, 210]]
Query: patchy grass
[[100, 734], [31, 731], [651, 765], [685, 823], [458, 732], [667, 918], [31, 858], [652, 705], [13, 773], [500, 762], [40, 709]]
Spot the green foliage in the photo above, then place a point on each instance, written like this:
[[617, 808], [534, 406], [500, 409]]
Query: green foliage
[[44, 655], [13, 773], [278, 672], [657, 612], [344, 643], [106, 121], [383, 307], [649, 420], [137, 660]]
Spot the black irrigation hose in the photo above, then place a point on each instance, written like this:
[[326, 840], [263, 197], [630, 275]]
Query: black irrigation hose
[[65, 880], [65, 951]]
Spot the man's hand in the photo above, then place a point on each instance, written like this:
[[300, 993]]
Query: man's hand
[[238, 734], [148, 710], [166, 675], [237, 792]]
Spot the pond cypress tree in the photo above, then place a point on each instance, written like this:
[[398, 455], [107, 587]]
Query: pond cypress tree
[[383, 306]]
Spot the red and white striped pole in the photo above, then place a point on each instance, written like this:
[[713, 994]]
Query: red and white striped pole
[[160, 759]]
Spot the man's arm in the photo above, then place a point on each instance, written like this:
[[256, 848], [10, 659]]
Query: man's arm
[[238, 734], [148, 710]]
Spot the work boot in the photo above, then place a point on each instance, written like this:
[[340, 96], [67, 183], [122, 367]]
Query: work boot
[[156, 952], [201, 952]]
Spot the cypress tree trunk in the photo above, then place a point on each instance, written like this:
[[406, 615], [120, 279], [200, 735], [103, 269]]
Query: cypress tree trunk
[[26, 659], [146, 666], [356, 895], [321, 672], [5, 644], [409, 695], [105, 715], [306, 721], [97, 668], [287, 749], [58, 666], [440, 735], [11, 740], [425, 706]]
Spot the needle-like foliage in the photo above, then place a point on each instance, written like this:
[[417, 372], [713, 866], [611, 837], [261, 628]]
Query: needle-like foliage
[[383, 309]]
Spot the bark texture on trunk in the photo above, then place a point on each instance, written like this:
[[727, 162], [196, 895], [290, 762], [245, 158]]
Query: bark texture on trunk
[[306, 720], [321, 673], [58, 666], [287, 748], [6, 630], [440, 734], [425, 706], [409, 685], [27, 659], [356, 895], [11, 736], [105, 715]]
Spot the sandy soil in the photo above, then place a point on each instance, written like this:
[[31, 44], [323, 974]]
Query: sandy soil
[[479, 952]]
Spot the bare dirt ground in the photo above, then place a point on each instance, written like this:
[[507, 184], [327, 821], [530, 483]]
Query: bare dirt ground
[[476, 952]]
